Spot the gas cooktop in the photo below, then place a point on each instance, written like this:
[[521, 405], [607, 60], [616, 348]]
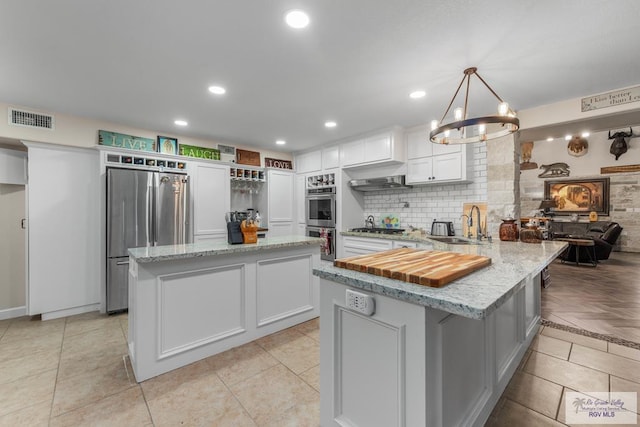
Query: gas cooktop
[[378, 230]]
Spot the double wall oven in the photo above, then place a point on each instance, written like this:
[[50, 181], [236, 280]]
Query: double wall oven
[[320, 210]]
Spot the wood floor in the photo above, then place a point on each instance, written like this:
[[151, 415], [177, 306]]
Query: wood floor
[[604, 299]]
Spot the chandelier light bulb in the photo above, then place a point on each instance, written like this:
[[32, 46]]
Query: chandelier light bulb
[[457, 114], [434, 124], [446, 133], [567, 137], [503, 108], [482, 129]]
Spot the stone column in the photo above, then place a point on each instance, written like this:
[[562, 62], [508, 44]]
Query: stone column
[[503, 181]]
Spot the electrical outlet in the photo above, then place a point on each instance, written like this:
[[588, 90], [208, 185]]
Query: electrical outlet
[[360, 302]]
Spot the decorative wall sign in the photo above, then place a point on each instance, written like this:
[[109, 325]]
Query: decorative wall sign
[[277, 163], [199, 152], [167, 145], [120, 140], [610, 99], [245, 157], [620, 169], [579, 196]]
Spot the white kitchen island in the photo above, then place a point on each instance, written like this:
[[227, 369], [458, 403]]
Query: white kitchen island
[[188, 302], [434, 357]]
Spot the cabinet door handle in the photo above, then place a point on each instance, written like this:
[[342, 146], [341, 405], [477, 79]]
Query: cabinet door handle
[[23, 223]]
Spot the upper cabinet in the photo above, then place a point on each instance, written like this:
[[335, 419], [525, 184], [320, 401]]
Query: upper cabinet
[[13, 167], [331, 157], [308, 162], [211, 200], [281, 196], [434, 163], [379, 148], [318, 160]]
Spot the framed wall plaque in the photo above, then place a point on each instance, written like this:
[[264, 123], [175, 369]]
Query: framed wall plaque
[[245, 157], [167, 145]]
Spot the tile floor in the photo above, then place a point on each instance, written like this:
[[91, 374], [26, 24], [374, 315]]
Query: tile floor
[[71, 372]]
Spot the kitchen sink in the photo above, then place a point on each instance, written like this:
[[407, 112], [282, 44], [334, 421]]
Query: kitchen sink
[[452, 240]]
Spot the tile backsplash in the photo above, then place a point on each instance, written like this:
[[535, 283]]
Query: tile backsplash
[[428, 202]]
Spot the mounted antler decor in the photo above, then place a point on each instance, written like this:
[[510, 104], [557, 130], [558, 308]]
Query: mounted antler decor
[[619, 145]]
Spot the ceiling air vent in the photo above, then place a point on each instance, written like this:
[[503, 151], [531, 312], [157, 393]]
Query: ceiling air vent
[[30, 119]]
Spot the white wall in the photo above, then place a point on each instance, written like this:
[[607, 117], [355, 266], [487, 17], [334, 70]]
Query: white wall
[[12, 247], [82, 132], [426, 202]]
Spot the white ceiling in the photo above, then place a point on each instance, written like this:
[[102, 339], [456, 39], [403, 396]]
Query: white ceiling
[[145, 63]]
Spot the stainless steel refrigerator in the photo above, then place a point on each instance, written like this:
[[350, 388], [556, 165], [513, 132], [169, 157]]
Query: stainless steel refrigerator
[[144, 208]]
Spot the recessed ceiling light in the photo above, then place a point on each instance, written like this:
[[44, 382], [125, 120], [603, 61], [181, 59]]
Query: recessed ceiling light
[[218, 90], [550, 139], [567, 138], [330, 124], [417, 94], [181, 122], [296, 19], [585, 134], [281, 142]]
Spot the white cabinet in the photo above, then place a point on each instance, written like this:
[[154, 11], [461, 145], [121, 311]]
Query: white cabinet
[[281, 214], [278, 229], [211, 200], [65, 209], [352, 153], [330, 157], [353, 246], [383, 147], [434, 163], [404, 244], [13, 167], [309, 162]]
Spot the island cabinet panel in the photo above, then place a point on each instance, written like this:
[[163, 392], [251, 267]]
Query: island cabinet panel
[[198, 307], [378, 362], [284, 288], [409, 364], [192, 301]]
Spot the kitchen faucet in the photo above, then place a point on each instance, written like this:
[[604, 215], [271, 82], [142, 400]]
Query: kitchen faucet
[[369, 222], [470, 221]]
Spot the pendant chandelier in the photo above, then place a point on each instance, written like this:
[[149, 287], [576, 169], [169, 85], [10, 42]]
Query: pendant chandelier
[[464, 130]]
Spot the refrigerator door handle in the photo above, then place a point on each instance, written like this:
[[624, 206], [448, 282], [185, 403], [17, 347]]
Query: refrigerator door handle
[[122, 263], [155, 194]]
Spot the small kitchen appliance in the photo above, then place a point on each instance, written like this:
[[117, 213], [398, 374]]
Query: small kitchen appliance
[[442, 228]]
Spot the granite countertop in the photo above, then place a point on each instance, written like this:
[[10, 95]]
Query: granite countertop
[[475, 295], [202, 249]]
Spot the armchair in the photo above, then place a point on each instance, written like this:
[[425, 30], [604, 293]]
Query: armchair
[[604, 236]]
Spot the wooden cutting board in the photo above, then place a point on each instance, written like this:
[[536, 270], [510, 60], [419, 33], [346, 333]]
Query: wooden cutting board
[[428, 268]]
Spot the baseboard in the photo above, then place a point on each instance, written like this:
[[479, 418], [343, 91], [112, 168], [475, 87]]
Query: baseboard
[[10, 313], [70, 311]]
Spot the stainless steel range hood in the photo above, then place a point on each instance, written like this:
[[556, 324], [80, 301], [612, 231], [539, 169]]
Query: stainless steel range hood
[[376, 184]]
